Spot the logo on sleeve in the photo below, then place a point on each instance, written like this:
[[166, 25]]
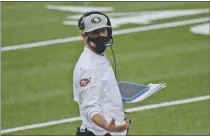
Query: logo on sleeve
[[84, 82]]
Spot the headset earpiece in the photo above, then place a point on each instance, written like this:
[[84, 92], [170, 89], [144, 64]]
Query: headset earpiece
[[80, 23]]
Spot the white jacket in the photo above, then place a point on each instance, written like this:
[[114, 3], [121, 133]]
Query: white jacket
[[96, 91]]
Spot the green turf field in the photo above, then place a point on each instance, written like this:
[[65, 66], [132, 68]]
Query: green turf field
[[36, 82]]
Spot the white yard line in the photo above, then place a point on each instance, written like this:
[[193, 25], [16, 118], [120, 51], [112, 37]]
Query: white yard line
[[117, 32], [169, 103], [141, 108]]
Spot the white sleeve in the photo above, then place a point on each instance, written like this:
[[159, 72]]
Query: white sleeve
[[90, 88]]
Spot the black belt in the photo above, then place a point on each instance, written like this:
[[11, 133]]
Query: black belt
[[86, 132]]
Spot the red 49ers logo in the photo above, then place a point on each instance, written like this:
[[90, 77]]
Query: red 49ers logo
[[84, 82]]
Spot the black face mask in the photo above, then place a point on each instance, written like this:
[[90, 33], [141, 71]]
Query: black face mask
[[100, 43]]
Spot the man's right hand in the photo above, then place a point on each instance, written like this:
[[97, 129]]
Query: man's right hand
[[112, 127]]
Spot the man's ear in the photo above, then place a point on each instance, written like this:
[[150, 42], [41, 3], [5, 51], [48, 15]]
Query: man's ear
[[84, 36]]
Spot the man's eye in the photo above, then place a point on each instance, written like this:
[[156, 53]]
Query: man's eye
[[96, 32], [101, 30]]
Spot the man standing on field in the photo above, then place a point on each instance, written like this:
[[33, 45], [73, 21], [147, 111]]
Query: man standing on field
[[94, 84]]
